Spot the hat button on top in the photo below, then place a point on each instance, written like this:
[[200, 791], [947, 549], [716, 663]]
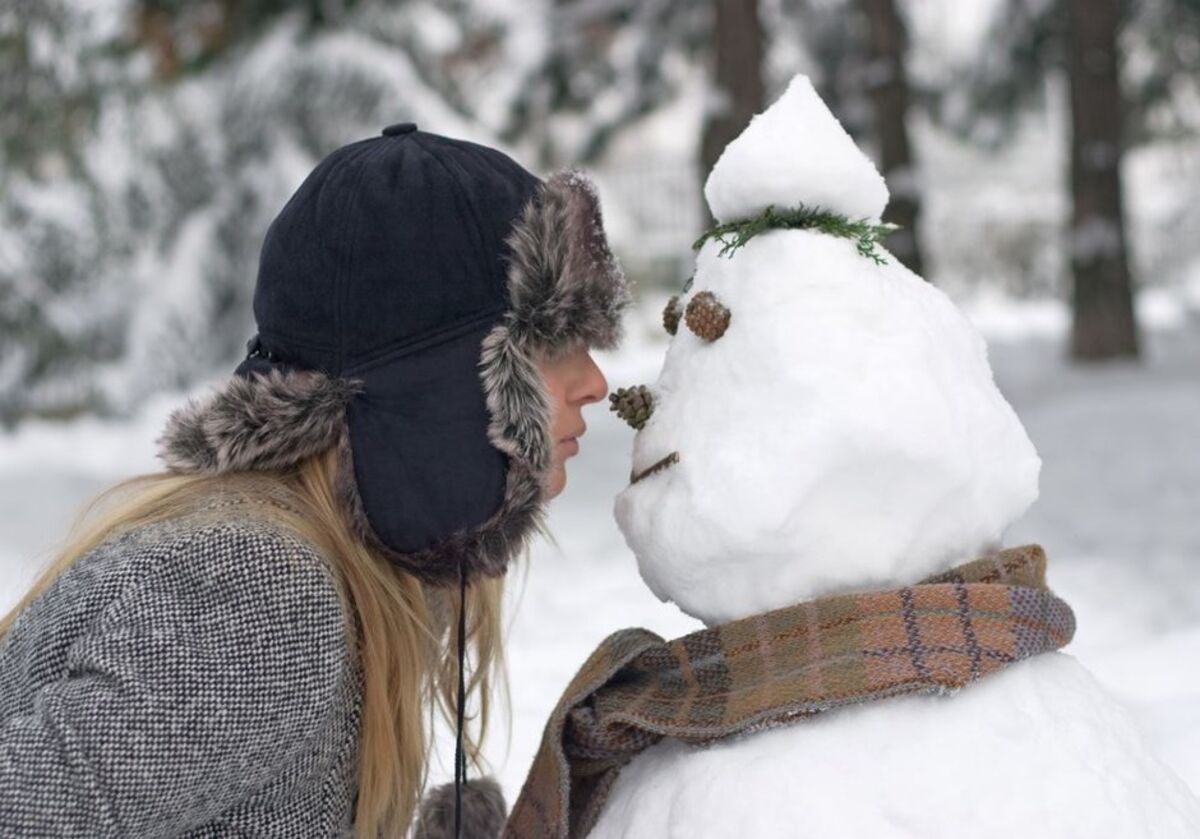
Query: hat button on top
[[399, 128]]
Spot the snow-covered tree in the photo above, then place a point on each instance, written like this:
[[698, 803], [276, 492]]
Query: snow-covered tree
[[147, 145], [600, 65]]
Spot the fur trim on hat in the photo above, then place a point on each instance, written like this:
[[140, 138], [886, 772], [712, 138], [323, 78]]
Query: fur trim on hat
[[269, 421], [483, 811], [566, 287]]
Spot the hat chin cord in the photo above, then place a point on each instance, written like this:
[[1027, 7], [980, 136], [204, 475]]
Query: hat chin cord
[[460, 758]]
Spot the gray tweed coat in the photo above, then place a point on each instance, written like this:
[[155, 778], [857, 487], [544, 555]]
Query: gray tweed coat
[[189, 678]]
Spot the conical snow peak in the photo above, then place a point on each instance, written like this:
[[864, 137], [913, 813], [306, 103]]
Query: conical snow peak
[[795, 152]]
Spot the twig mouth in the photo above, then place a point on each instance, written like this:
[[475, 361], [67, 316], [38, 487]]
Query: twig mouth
[[666, 463]]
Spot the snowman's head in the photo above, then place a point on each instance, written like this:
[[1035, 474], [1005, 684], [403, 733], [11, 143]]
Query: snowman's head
[[842, 433]]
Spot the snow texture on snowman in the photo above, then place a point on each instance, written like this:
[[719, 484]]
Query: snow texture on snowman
[[834, 427]]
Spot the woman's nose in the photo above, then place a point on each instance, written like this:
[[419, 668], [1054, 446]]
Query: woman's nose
[[593, 385]]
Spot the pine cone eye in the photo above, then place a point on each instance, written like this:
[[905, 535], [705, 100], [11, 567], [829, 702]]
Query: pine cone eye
[[707, 317], [672, 315], [632, 404]]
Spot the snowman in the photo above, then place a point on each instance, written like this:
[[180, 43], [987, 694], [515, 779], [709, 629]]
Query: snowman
[[826, 423]]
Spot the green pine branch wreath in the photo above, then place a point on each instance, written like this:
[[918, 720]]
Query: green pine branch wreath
[[733, 235]]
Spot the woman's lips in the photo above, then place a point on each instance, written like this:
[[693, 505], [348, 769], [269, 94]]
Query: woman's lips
[[570, 443], [666, 463]]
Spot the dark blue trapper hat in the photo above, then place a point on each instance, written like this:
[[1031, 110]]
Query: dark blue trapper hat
[[404, 294]]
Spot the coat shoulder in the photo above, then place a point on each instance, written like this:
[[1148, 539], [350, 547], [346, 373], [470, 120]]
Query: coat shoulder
[[234, 577], [215, 653]]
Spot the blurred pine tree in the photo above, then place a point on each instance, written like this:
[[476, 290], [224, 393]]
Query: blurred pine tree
[[1148, 77], [146, 145]]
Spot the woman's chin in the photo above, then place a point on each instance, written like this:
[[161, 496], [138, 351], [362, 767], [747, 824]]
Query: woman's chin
[[556, 482]]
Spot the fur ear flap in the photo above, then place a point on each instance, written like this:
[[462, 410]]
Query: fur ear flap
[[566, 286], [484, 550], [516, 399], [483, 811], [262, 421]]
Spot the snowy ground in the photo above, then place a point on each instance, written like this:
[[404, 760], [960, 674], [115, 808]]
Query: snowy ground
[[1119, 516]]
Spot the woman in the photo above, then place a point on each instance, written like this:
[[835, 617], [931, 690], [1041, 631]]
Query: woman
[[250, 643]]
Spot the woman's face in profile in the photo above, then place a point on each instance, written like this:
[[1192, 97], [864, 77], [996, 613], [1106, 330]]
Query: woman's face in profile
[[572, 381]]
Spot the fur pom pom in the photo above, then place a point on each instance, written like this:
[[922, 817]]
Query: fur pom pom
[[483, 811]]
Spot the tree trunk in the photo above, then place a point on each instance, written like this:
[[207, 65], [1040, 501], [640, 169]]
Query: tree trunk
[[153, 31], [1103, 324], [738, 85], [887, 85]]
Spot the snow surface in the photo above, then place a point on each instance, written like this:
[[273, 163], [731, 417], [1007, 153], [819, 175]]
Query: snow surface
[[1035, 750], [795, 152], [844, 434]]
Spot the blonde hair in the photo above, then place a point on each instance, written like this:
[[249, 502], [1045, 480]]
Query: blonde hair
[[409, 666]]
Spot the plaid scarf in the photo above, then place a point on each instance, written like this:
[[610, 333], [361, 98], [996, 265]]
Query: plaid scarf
[[778, 668]]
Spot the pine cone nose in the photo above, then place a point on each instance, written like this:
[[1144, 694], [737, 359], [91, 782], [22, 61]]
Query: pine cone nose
[[632, 404]]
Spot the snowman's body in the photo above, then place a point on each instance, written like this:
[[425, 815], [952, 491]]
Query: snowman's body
[[844, 434], [1037, 750]]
